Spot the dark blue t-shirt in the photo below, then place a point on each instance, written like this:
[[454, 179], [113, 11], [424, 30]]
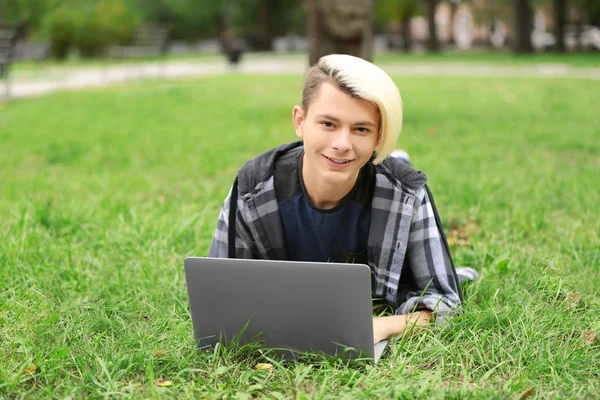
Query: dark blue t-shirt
[[310, 234]]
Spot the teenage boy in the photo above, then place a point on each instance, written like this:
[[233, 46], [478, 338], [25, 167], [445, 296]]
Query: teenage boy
[[337, 196]]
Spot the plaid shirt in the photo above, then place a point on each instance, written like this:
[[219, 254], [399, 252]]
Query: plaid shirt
[[411, 267]]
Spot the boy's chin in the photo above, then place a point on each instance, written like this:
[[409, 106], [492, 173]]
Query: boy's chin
[[339, 177]]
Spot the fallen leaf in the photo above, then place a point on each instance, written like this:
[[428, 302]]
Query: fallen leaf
[[588, 337], [429, 365], [433, 131], [160, 353], [573, 298], [526, 394], [461, 235], [29, 370], [263, 366], [162, 383], [451, 241]]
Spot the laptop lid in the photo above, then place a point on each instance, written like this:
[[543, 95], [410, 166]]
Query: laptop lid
[[304, 306]]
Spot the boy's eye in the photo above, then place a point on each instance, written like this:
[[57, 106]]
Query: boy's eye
[[363, 130], [327, 124]]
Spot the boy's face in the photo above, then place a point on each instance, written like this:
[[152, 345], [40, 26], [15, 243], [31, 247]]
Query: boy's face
[[340, 133]]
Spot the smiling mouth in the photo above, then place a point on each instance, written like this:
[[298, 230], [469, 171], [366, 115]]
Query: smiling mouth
[[337, 160]]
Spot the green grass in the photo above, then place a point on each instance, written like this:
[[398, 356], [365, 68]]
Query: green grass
[[105, 192], [26, 65], [591, 59], [474, 57]]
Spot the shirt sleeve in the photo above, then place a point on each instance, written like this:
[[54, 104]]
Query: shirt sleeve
[[219, 247], [435, 284]]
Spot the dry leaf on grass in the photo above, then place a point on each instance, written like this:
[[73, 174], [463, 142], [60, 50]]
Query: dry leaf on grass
[[573, 299], [461, 235], [455, 240], [263, 366], [159, 353], [526, 394], [433, 131], [30, 370], [588, 337], [163, 383]]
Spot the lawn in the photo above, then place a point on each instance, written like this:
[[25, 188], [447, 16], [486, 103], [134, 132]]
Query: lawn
[[473, 57], [496, 57], [104, 193]]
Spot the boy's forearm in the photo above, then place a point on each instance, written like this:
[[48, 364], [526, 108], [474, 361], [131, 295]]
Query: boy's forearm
[[397, 324]]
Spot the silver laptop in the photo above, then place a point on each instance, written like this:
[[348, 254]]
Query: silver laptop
[[300, 306]]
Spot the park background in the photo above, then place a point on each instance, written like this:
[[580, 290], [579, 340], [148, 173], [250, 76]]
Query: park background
[[116, 154]]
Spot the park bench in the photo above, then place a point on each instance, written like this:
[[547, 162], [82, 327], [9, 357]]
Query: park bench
[[148, 40], [8, 41]]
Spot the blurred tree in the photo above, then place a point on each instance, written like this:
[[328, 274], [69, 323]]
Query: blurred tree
[[409, 10], [262, 20], [31, 11], [523, 25], [580, 13], [103, 23], [264, 33], [433, 43], [154, 11], [560, 17], [592, 8], [340, 26], [189, 19], [497, 15], [60, 27], [453, 7], [259, 21], [577, 17], [388, 12], [89, 27]]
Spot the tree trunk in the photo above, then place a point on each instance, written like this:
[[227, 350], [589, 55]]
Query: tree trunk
[[523, 15], [578, 22], [433, 43], [453, 7], [578, 36], [406, 33], [264, 40], [493, 12], [559, 24], [225, 36], [340, 27]]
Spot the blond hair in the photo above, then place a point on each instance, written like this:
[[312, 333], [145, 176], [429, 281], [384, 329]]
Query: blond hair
[[360, 79]]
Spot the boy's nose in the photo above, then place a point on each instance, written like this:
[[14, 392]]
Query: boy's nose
[[341, 142]]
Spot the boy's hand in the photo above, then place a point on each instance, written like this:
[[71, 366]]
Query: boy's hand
[[380, 329], [384, 327]]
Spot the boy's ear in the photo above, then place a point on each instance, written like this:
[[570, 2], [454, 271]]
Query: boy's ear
[[298, 119]]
